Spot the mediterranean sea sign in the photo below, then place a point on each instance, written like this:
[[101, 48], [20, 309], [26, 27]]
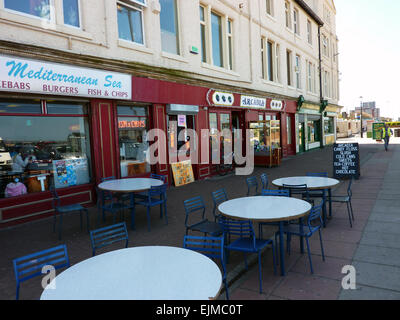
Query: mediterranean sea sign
[[346, 160], [31, 76]]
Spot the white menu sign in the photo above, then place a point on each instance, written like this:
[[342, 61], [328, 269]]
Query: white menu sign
[[31, 76]]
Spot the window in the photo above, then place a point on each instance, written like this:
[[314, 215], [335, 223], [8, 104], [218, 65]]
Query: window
[[169, 26], [203, 34], [287, 15], [46, 144], [230, 45], [263, 64], [298, 72], [132, 129], [296, 22], [269, 7], [329, 125], [130, 23], [277, 63], [309, 32], [36, 8], [289, 67], [270, 60], [71, 13], [325, 45], [310, 80], [326, 80], [289, 129], [216, 35]]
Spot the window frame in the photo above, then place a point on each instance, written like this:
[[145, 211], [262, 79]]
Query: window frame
[[269, 7], [79, 16], [296, 21], [288, 17], [298, 71], [52, 14], [309, 32], [229, 44], [177, 26], [138, 7], [289, 67], [204, 24], [221, 39]]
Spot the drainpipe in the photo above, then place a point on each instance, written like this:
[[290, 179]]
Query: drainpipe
[[321, 97]]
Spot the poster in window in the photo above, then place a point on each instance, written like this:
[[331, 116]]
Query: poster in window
[[182, 120], [183, 173]]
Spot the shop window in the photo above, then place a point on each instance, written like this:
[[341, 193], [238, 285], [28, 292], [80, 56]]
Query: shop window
[[179, 138], [329, 126], [36, 8], [42, 150], [130, 22], [133, 145], [169, 26], [71, 13], [313, 131]]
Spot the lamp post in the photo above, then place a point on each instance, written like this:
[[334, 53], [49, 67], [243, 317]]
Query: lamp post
[[361, 117]]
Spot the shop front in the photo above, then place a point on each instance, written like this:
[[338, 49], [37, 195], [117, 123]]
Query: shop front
[[50, 117], [308, 128]]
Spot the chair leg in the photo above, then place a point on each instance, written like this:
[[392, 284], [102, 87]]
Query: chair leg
[[351, 207], [309, 255], [349, 214], [273, 257], [226, 288], [148, 218], [322, 247], [259, 270], [165, 213]]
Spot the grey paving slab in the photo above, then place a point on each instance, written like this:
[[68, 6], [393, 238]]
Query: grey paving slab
[[385, 216], [369, 293], [383, 227], [378, 255], [377, 275], [387, 240]]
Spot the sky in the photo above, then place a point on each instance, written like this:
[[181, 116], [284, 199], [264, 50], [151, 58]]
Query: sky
[[369, 54]]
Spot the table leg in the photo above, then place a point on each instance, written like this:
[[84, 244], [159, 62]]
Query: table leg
[[281, 249], [330, 202], [324, 207], [132, 211]]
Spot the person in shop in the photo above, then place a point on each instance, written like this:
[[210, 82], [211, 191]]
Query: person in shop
[[19, 163]]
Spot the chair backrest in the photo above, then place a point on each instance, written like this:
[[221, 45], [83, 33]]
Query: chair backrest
[[218, 197], [276, 193], [317, 174], [264, 180], [158, 177], [195, 204], [212, 247], [314, 218], [157, 191], [107, 178], [239, 228], [108, 235], [251, 182], [297, 189], [31, 265]]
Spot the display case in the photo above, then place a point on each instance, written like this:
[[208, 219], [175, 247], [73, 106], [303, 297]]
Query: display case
[[267, 142]]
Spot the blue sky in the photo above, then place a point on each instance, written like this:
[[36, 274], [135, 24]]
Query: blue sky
[[369, 59]]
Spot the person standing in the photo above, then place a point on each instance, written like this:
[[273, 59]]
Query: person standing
[[386, 134]]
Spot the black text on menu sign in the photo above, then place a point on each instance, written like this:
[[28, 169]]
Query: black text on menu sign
[[346, 160]]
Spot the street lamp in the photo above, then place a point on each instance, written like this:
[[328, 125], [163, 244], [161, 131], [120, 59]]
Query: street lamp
[[361, 117]]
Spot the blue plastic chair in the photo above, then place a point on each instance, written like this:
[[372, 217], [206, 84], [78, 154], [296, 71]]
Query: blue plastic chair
[[112, 206], [264, 180], [156, 195], [163, 178], [245, 241], [272, 193], [30, 266], [317, 193], [195, 207], [212, 247], [252, 183], [306, 230], [58, 208], [106, 236], [346, 199], [218, 197]]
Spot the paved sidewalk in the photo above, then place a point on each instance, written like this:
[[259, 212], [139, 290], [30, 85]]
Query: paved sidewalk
[[372, 246], [342, 245]]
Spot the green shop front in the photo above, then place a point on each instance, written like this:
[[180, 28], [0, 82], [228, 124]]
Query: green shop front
[[308, 127]]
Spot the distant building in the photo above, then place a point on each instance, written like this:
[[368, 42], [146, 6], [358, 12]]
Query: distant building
[[371, 109]]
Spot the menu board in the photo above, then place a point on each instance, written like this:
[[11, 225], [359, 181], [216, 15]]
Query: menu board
[[346, 160], [183, 173]]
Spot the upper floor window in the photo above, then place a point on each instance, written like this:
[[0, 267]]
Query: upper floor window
[[287, 15], [289, 67], [130, 21], [298, 72], [37, 8], [71, 13], [169, 26], [269, 7], [229, 35], [270, 60], [296, 21], [325, 45], [203, 34], [216, 35], [309, 32]]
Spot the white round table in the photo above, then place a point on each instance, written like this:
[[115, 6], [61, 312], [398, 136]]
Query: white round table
[[130, 185], [313, 183], [267, 209], [139, 273]]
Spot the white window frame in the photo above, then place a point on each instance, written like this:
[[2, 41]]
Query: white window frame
[[139, 7], [289, 67], [178, 33], [79, 16], [206, 41], [229, 36], [269, 6], [309, 32], [288, 16], [298, 71], [52, 13], [296, 21]]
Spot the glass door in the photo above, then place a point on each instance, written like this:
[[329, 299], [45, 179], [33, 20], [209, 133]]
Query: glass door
[[219, 121]]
